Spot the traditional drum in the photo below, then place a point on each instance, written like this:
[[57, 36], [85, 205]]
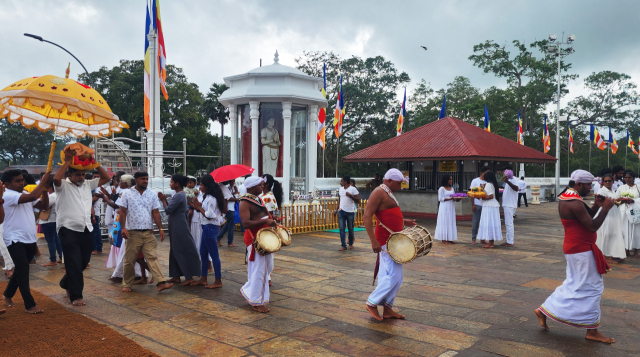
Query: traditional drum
[[267, 241], [285, 235], [409, 244]]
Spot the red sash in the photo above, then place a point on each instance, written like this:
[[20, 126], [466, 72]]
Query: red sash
[[249, 237], [578, 239]]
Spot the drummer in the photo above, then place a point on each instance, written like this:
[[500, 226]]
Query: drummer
[[385, 207], [254, 216]]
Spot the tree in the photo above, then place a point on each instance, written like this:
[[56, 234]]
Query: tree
[[370, 89], [531, 82], [612, 101], [22, 146], [215, 111], [180, 117]]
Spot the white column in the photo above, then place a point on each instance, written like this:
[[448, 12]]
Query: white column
[[312, 147], [286, 150], [155, 135], [233, 121], [255, 134]]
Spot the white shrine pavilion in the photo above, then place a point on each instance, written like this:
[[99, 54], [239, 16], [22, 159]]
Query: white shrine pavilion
[[273, 112]]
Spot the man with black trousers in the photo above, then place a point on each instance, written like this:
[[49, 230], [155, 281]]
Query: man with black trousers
[[20, 231], [74, 223]]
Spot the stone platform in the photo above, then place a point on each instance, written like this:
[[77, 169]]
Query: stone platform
[[460, 300]]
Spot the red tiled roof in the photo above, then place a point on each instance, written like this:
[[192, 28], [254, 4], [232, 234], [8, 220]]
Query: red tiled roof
[[449, 139]]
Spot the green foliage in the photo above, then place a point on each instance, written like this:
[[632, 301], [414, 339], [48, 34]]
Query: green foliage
[[213, 110], [21, 146], [370, 89], [180, 117]]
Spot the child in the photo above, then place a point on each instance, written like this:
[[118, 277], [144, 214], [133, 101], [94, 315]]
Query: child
[[192, 192]]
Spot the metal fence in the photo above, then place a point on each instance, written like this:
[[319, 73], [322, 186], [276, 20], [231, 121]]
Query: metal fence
[[424, 180]]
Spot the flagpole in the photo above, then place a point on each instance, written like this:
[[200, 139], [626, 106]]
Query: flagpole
[[608, 154], [323, 150], [626, 149], [337, 156]]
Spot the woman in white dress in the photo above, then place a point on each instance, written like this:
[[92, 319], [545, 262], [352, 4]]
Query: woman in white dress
[[490, 229], [446, 229], [610, 240], [630, 231]]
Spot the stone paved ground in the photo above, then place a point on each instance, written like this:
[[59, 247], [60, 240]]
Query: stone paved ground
[[460, 300]]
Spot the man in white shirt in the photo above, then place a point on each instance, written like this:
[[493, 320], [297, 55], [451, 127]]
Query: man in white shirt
[[230, 193], [19, 233], [476, 204], [618, 173], [49, 229], [74, 202], [522, 191], [348, 196], [509, 205], [139, 208]]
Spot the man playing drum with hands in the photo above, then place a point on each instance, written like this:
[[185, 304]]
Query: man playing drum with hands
[[254, 217], [385, 207]]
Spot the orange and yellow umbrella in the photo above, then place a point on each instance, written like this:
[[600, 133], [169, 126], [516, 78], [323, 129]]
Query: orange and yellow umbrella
[[59, 104]]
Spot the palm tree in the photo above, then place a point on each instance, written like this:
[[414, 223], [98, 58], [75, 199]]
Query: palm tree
[[216, 112]]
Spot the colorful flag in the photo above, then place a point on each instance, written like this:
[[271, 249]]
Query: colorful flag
[[147, 72], [546, 140], [630, 143], [322, 115], [161, 53], [339, 113], [597, 138], [443, 109], [487, 123], [613, 143], [402, 113], [570, 136], [520, 132]]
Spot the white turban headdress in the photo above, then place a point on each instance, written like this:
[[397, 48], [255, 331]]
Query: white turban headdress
[[253, 181], [582, 176], [395, 175]]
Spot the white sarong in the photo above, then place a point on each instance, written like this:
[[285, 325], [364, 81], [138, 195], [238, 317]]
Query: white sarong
[[389, 281], [8, 262], [577, 301], [256, 289], [509, 212]]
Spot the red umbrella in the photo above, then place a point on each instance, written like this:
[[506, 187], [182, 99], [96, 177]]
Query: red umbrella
[[231, 172]]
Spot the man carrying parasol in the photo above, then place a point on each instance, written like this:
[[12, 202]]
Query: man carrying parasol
[[73, 216]]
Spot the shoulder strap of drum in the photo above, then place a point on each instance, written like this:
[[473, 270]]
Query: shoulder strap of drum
[[389, 193], [382, 224]]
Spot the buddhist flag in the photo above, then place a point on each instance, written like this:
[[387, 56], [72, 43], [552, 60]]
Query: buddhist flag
[[487, 123], [339, 113], [520, 132], [597, 139], [630, 143], [613, 143], [322, 115], [161, 53], [546, 140], [147, 73], [443, 109], [402, 113], [570, 136]]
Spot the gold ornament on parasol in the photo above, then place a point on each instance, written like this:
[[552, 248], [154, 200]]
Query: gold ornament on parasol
[[59, 104]]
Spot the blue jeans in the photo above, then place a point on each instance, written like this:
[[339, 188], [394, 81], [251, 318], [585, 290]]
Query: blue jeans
[[97, 235], [209, 248], [50, 234], [475, 223], [346, 217], [228, 227]]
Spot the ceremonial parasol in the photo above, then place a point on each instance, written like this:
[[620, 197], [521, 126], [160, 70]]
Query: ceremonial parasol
[[230, 172], [59, 104]]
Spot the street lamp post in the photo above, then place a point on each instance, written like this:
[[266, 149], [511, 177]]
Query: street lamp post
[[555, 48]]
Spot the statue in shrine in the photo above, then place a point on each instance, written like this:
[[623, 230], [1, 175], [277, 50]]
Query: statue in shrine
[[270, 139]]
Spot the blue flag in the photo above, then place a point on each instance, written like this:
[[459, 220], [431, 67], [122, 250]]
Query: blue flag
[[442, 111], [487, 123]]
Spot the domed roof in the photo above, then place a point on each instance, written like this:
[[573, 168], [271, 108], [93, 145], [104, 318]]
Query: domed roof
[[275, 82], [276, 68]]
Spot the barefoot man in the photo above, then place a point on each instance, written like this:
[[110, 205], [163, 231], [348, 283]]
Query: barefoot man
[[73, 221], [254, 217], [20, 232], [577, 301], [139, 208], [385, 207]]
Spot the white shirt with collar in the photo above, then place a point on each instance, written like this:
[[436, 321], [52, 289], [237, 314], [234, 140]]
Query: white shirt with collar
[[139, 208], [522, 186], [73, 205], [212, 214], [19, 222], [52, 213]]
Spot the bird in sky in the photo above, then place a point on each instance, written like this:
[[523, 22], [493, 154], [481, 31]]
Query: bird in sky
[[424, 48]]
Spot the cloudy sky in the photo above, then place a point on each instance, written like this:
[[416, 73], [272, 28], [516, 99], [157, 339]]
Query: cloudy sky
[[216, 38]]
